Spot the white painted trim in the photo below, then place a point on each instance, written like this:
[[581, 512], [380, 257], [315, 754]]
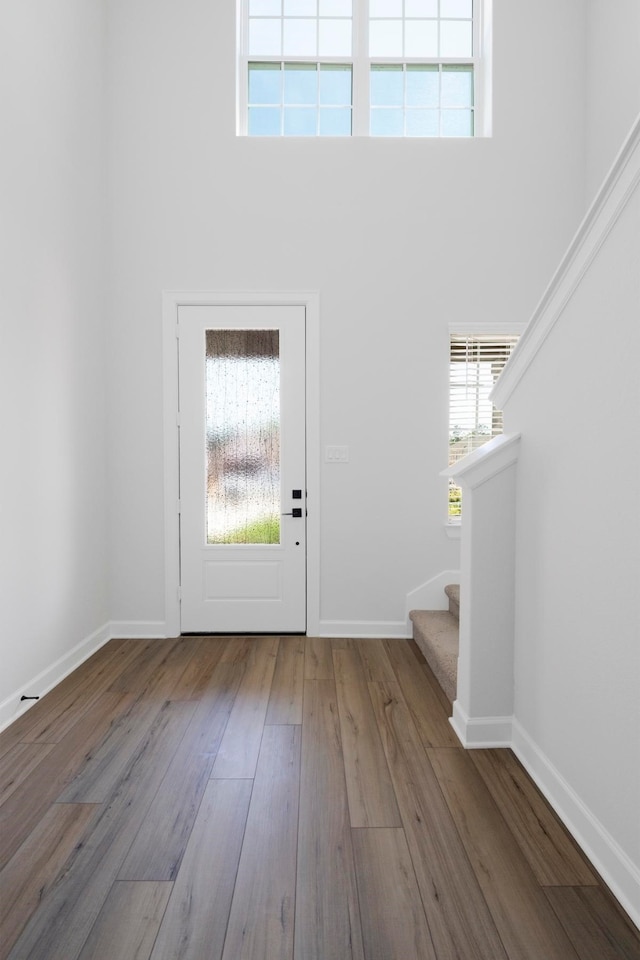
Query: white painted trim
[[618, 186], [480, 733], [492, 328], [138, 630], [487, 461], [610, 860], [50, 677], [365, 629], [171, 301]]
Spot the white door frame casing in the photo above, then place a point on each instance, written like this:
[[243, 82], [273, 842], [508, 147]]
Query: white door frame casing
[[171, 301]]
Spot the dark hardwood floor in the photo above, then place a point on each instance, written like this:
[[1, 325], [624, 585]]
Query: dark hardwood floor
[[279, 798]]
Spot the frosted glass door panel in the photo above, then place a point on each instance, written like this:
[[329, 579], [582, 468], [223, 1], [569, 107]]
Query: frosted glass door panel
[[242, 386]]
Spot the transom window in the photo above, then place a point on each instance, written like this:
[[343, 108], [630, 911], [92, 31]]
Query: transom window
[[399, 68]]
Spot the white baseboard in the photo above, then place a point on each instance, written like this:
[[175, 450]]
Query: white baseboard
[[46, 680], [137, 629], [480, 733], [370, 629], [620, 874]]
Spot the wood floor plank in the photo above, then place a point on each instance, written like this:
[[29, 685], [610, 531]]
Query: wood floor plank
[[594, 924], [261, 922], [285, 702], [327, 923], [205, 656], [528, 927], [552, 853], [428, 715], [61, 925], [237, 649], [461, 924], [174, 808], [375, 661], [156, 669], [106, 764], [195, 921], [372, 801], [20, 814], [18, 763], [238, 752], [393, 920], [318, 659], [128, 923], [33, 869]]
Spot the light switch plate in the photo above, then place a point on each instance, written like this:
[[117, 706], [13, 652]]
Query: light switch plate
[[336, 454]]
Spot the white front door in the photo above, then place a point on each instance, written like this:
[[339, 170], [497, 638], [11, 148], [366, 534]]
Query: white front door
[[242, 468]]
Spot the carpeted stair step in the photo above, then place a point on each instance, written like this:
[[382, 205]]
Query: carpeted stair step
[[436, 633], [452, 590]]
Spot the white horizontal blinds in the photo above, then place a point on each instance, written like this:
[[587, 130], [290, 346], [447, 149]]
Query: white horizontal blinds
[[475, 365]]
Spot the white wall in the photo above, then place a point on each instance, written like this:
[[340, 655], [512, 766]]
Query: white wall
[[577, 660], [52, 474], [613, 82], [399, 238]]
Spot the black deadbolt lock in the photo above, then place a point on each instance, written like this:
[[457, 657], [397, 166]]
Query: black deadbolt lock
[[296, 494]]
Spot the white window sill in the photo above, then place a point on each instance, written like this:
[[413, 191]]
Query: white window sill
[[452, 530]]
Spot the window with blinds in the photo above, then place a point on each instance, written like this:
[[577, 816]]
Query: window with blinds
[[475, 363]]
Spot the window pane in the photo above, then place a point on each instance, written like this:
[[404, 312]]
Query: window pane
[[385, 38], [386, 86], [456, 38], [385, 8], [423, 86], [264, 121], [457, 86], [300, 8], [265, 83], [335, 85], [300, 121], [300, 83], [243, 436], [335, 8], [335, 122], [300, 38], [264, 37], [457, 9], [423, 123], [421, 8], [421, 38], [265, 8], [335, 38], [457, 123], [386, 123]]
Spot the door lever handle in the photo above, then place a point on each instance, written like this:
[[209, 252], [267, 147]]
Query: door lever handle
[[296, 512]]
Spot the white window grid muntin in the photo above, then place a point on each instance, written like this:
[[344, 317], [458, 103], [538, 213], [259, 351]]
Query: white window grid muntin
[[440, 110], [317, 106], [361, 63]]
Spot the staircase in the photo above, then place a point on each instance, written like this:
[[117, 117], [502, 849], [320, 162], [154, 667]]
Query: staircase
[[436, 633]]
